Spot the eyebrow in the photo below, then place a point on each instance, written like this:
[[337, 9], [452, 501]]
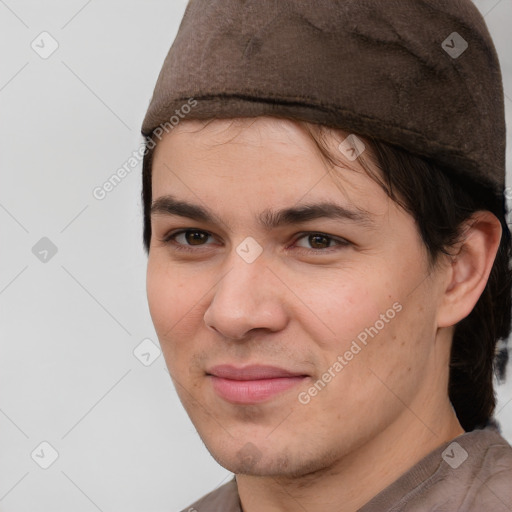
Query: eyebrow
[[268, 219]]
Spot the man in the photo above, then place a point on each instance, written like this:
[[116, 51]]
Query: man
[[329, 260]]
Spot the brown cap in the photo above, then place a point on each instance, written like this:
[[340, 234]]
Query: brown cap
[[421, 74]]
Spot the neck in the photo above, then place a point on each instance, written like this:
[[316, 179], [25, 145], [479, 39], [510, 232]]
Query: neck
[[349, 483]]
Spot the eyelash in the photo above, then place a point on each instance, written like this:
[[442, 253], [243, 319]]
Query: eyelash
[[170, 240]]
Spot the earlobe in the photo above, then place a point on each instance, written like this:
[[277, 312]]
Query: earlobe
[[470, 267]]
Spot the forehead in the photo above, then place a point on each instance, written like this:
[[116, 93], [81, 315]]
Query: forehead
[[264, 132], [243, 170], [277, 151]]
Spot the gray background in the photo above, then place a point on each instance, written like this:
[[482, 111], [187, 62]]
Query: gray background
[[70, 323]]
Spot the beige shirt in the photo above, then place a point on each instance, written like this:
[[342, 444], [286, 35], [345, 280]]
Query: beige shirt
[[472, 473]]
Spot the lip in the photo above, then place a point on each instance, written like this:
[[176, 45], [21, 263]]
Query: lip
[[252, 384]]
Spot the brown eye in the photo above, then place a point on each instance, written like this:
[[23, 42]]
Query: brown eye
[[195, 237], [187, 238], [319, 241]]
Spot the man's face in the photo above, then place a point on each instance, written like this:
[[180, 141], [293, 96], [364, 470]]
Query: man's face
[[291, 344]]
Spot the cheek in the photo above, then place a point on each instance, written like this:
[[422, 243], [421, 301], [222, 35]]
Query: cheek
[[369, 315], [396, 352], [345, 306], [173, 304]]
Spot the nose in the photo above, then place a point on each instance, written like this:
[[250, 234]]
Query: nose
[[248, 297]]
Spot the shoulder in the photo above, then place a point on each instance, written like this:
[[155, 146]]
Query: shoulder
[[222, 499], [492, 484], [471, 473]]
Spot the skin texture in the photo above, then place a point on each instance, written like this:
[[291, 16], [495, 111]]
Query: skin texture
[[299, 306]]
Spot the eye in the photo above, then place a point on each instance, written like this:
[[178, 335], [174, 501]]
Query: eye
[[186, 239], [320, 241]]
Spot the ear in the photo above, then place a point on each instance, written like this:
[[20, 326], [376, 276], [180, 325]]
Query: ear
[[469, 268]]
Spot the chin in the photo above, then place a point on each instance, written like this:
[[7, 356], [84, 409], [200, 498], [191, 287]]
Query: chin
[[267, 461]]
